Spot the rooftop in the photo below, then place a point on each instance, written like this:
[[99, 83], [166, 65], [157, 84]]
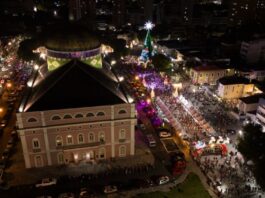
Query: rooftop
[[252, 99], [230, 80], [74, 85], [207, 68]]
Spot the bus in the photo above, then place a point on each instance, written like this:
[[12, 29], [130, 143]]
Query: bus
[[151, 140]]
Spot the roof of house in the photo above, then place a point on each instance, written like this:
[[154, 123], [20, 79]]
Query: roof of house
[[207, 68], [252, 99], [230, 80], [74, 85]]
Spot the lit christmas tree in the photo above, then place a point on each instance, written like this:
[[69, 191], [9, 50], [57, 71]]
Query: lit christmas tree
[[147, 52]]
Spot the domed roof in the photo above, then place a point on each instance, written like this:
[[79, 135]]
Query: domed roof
[[71, 38]]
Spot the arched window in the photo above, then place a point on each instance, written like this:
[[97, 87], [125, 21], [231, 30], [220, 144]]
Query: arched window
[[122, 134], [60, 158], [122, 111], [79, 115], [90, 115], [35, 143], [91, 137], [32, 120], [59, 141], [56, 117], [80, 138], [69, 139], [122, 151], [67, 116], [101, 136], [100, 113], [102, 153]]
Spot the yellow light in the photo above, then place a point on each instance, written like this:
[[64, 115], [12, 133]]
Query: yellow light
[[1, 110], [148, 100], [9, 85], [136, 77]]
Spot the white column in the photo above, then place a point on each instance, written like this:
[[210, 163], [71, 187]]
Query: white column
[[112, 139], [19, 121], [47, 147], [24, 148], [42, 119], [132, 149]]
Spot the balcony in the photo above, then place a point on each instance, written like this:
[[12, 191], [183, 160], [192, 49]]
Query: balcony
[[36, 150], [75, 146], [122, 140]]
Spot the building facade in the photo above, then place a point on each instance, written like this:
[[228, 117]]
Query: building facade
[[253, 51], [234, 88], [74, 135], [260, 116], [209, 74]]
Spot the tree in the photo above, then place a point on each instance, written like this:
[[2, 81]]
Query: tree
[[161, 62], [252, 147], [25, 50]]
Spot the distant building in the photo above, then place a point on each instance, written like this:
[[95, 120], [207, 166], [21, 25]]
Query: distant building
[[260, 116], [253, 51], [249, 104], [234, 87], [255, 73], [119, 12], [81, 8], [209, 74]]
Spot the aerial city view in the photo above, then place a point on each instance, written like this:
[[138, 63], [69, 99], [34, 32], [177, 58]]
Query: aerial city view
[[132, 98]]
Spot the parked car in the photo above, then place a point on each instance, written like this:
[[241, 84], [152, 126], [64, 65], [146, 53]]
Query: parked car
[[163, 180], [46, 182], [110, 189], [164, 134], [66, 195], [3, 123]]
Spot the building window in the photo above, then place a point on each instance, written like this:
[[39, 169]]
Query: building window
[[35, 143], [69, 139], [122, 111], [59, 141], [79, 115], [90, 115], [56, 117], [100, 114], [67, 116], [122, 151], [122, 134], [60, 158], [38, 161], [102, 136], [80, 138], [91, 137], [32, 120], [102, 153]]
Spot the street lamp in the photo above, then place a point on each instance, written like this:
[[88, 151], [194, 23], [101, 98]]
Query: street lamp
[[113, 62], [36, 67], [240, 132], [9, 85], [1, 109]]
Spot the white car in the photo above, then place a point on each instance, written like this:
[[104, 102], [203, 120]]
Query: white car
[[110, 189], [164, 134], [163, 180], [46, 182]]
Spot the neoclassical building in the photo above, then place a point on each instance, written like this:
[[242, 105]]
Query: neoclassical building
[[76, 113]]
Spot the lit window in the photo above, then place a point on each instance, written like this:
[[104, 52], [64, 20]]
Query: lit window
[[69, 139], [59, 141]]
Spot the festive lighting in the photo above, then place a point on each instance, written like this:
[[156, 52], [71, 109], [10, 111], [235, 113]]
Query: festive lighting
[[36, 67], [149, 25]]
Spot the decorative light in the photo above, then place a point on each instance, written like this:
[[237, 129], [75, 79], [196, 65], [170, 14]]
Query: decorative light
[[76, 156], [240, 132], [35, 9], [149, 25], [88, 156], [1, 109], [113, 62], [43, 55], [36, 67], [121, 78]]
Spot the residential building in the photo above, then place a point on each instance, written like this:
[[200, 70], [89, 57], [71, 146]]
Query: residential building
[[253, 51], [234, 87], [260, 116], [249, 104], [209, 74]]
